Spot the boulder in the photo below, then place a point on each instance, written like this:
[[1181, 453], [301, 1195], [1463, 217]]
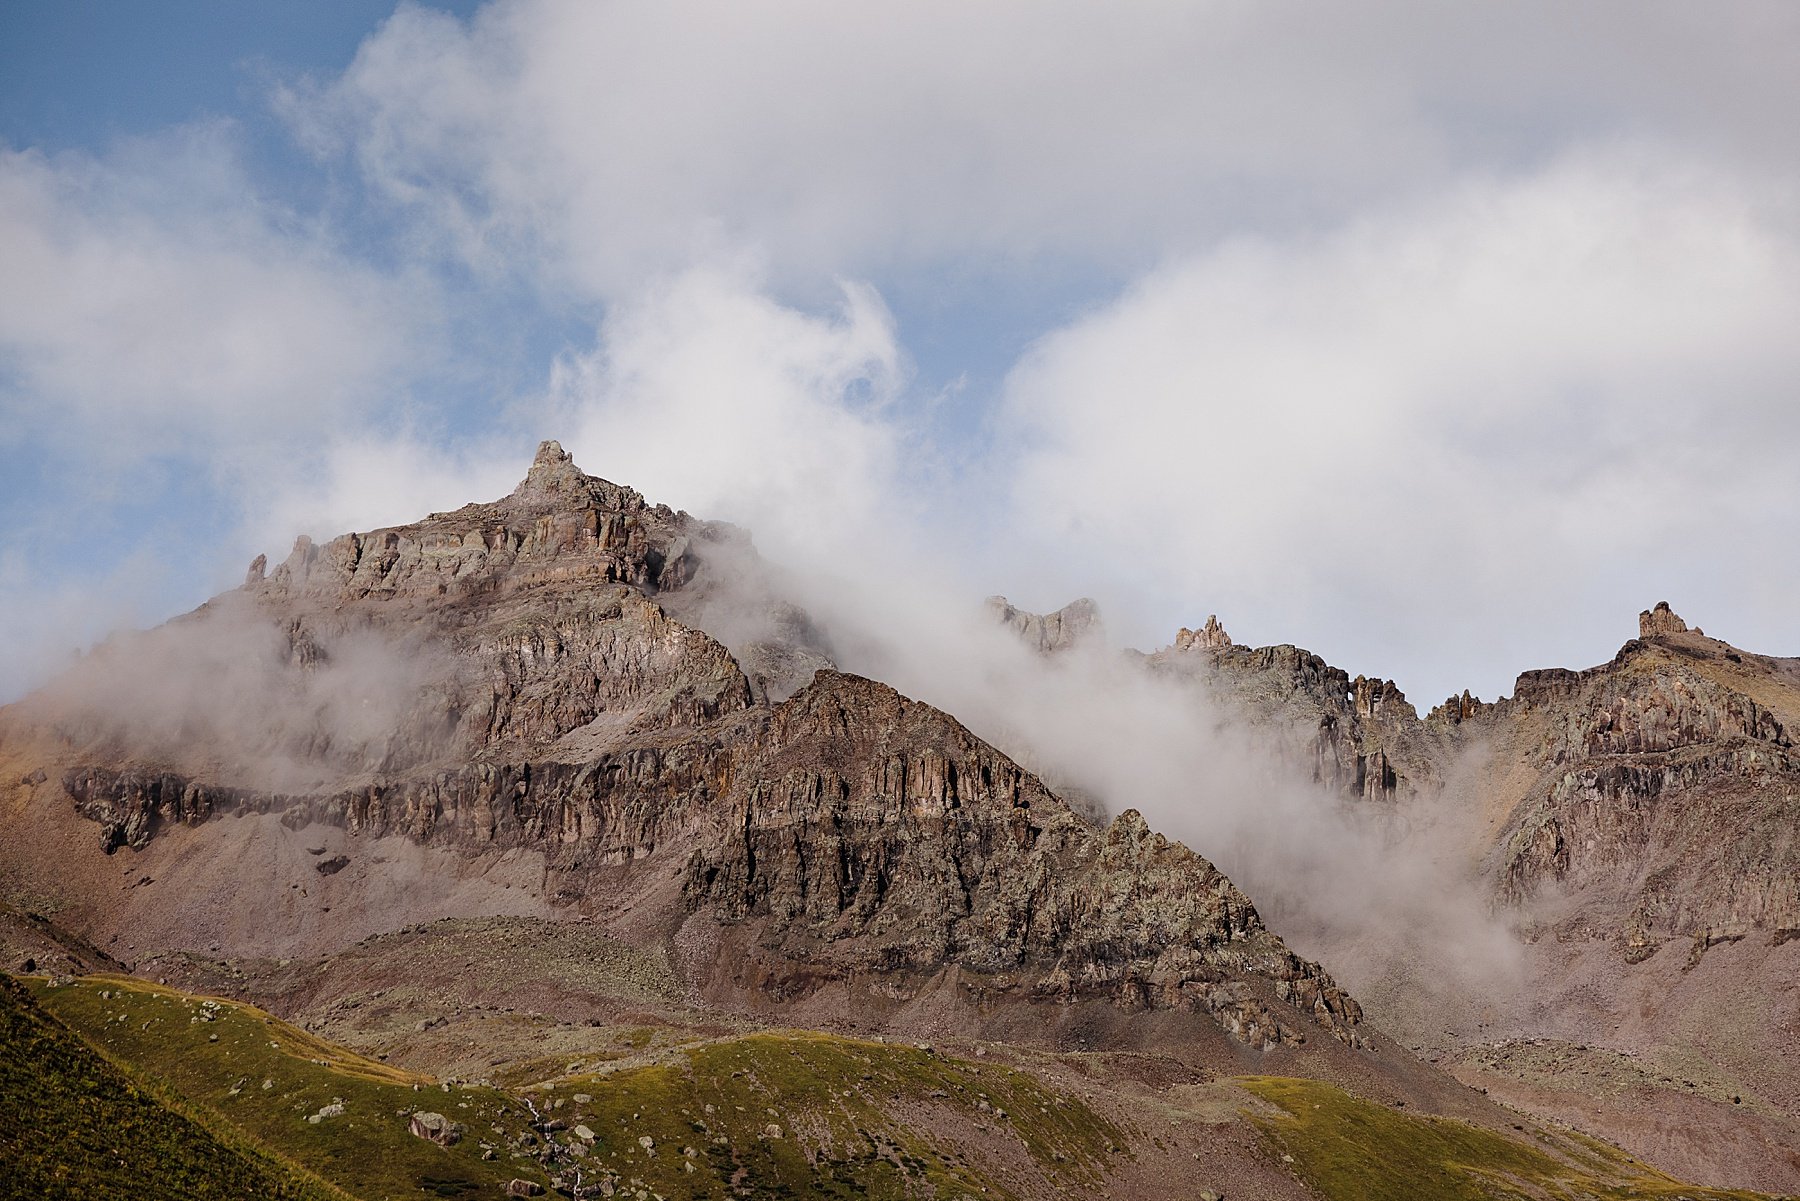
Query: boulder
[[436, 1128]]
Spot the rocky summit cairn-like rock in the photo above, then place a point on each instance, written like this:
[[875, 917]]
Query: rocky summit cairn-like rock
[[1212, 636], [1654, 623]]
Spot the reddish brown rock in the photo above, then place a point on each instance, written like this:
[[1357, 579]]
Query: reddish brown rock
[[1659, 621]]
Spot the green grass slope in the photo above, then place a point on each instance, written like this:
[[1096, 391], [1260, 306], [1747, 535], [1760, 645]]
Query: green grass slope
[[1350, 1149], [803, 1114], [73, 1125], [779, 1114], [272, 1080]]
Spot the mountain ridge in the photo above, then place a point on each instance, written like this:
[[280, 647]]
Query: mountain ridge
[[571, 706]]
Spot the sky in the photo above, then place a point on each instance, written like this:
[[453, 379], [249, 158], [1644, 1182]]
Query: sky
[[1437, 339]]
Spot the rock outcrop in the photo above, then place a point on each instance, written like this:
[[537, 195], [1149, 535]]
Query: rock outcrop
[[1663, 778], [1074, 623], [1660, 620], [1658, 786], [1211, 636], [435, 1128], [1357, 736]]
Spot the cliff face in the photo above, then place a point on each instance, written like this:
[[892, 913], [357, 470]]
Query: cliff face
[[557, 707], [1074, 623], [877, 834], [1359, 737], [1659, 791], [1667, 788]]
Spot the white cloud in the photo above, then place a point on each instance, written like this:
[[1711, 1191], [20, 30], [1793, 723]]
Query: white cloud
[[705, 393], [589, 144], [150, 302], [1428, 355], [700, 391], [1478, 430]]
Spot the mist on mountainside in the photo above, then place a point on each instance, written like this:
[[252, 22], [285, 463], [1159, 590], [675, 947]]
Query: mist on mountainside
[[1384, 892], [280, 706]]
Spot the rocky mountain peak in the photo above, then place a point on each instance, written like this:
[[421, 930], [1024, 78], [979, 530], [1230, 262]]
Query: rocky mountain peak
[[553, 474], [1211, 636], [549, 698], [559, 524], [1661, 621]]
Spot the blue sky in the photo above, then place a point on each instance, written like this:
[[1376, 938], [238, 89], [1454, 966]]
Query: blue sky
[[1438, 339]]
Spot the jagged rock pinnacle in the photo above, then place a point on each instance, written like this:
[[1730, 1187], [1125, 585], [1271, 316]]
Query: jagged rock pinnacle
[[1661, 620], [1212, 636], [552, 470]]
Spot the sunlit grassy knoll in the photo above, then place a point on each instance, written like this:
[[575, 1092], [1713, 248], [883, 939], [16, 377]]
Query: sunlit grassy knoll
[[1351, 1149], [795, 1114]]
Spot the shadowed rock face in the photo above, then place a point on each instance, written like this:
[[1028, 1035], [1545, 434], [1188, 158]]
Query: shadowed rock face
[[564, 711]]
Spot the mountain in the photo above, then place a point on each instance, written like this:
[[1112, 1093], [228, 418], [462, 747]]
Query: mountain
[[561, 794], [507, 680], [1636, 825]]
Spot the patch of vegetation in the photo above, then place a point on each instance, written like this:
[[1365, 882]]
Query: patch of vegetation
[[74, 1125], [603, 1046], [796, 1114], [806, 1114], [1350, 1149], [340, 1116]]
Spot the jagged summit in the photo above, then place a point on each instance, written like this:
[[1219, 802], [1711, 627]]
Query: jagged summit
[[1357, 735], [1662, 621], [558, 522], [555, 481], [552, 470], [1212, 636]]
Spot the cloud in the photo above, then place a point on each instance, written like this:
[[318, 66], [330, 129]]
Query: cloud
[[369, 479], [704, 392], [151, 300], [589, 145], [1471, 430]]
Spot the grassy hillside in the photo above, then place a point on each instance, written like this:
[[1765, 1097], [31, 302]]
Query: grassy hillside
[[1350, 1149], [72, 1125], [271, 1080], [787, 1114], [211, 1098], [805, 1114]]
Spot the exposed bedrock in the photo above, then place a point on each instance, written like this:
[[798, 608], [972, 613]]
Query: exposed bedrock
[[865, 832]]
